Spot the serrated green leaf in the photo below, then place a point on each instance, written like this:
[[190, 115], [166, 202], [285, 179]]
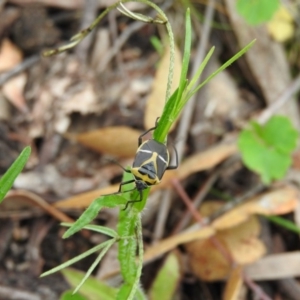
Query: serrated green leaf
[[11, 174], [257, 11], [267, 149], [92, 288], [166, 281]]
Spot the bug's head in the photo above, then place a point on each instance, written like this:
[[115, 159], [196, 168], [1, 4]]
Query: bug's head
[[140, 185]]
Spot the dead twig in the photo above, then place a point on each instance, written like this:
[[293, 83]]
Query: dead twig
[[24, 65], [292, 89]]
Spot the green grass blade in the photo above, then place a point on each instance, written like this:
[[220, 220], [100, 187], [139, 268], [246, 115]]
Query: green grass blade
[[97, 228], [200, 70], [94, 265], [186, 55], [284, 223], [11, 174], [224, 66], [78, 258]]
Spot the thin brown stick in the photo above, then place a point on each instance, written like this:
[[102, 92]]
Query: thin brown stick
[[24, 65], [225, 253]]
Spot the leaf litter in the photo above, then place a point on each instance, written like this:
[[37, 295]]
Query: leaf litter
[[105, 112]]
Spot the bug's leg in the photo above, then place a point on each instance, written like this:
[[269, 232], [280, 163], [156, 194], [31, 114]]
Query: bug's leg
[[124, 183], [120, 187], [134, 201], [141, 136], [176, 164]]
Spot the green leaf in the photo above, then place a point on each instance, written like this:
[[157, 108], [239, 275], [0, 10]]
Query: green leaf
[[97, 228], [267, 149], [280, 133], [167, 279], [68, 295], [257, 11], [92, 288], [170, 113], [79, 257], [93, 210], [287, 224], [94, 264], [11, 174]]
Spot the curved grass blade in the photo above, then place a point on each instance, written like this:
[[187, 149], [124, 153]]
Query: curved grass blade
[[11, 174]]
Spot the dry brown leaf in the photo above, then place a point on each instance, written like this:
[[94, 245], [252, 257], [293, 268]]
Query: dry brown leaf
[[206, 261], [20, 200], [170, 243], [10, 56], [120, 141], [83, 200], [279, 201], [206, 159], [241, 242], [13, 91], [156, 99], [275, 266], [234, 285]]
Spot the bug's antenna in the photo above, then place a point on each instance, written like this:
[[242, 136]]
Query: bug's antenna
[[115, 162]]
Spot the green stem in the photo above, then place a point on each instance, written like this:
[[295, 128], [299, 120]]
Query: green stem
[[140, 257]]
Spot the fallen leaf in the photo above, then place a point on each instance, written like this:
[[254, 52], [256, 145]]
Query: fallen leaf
[[234, 285], [13, 89], [10, 55], [206, 159], [84, 101], [156, 99], [241, 242], [172, 242], [281, 27], [18, 201], [275, 266], [83, 200], [280, 201], [120, 141], [206, 261]]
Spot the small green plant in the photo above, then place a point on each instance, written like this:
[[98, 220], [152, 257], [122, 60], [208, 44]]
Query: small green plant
[[267, 149], [11, 174], [129, 228], [256, 12]]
